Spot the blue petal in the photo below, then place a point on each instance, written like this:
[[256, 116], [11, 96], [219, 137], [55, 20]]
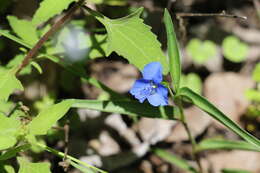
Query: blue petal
[[162, 90], [160, 98], [153, 71], [138, 89]]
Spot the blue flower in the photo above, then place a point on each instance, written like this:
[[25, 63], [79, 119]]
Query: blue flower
[[149, 86]]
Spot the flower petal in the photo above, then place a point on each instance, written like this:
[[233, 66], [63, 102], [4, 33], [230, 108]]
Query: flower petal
[[138, 89], [160, 98], [162, 90], [153, 71], [157, 100]]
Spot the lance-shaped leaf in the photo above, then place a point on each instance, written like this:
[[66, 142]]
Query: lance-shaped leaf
[[48, 9], [8, 129], [127, 107], [48, 117], [8, 83], [206, 106], [173, 51], [214, 144], [26, 166], [132, 39]]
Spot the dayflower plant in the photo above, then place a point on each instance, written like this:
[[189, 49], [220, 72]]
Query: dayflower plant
[[150, 87]]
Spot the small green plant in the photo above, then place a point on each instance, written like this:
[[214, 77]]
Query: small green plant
[[234, 50], [201, 51]]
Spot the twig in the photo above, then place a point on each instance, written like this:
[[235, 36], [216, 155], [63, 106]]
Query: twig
[[222, 14], [33, 52]]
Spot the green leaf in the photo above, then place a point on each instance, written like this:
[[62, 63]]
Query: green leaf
[[5, 106], [132, 39], [8, 83], [48, 9], [6, 169], [18, 60], [256, 73], [183, 164], [125, 107], [48, 117], [192, 81], [253, 95], [13, 151], [173, 51], [7, 34], [24, 29], [206, 106], [8, 130], [200, 51], [234, 171], [234, 50], [36, 66], [26, 166], [215, 144]]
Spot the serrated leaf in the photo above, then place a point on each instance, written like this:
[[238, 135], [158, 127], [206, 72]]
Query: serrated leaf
[[8, 83], [48, 9], [24, 29], [8, 129], [216, 144], [206, 106], [26, 166], [132, 39], [173, 51], [181, 163], [48, 117], [133, 108]]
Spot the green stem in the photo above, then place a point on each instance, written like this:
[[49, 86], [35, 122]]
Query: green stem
[[195, 155], [62, 155]]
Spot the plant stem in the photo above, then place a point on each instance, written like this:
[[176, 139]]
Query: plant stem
[[195, 156], [62, 155], [33, 52]]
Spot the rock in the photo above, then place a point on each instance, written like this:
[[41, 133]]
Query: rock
[[154, 130], [116, 75], [245, 160], [107, 145], [88, 113], [226, 91], [197, 120], [115, 121], [94, 160]]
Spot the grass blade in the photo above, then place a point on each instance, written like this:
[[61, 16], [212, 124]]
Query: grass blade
[[215, 144], [206, 106], [183, 164], [173, 51]]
